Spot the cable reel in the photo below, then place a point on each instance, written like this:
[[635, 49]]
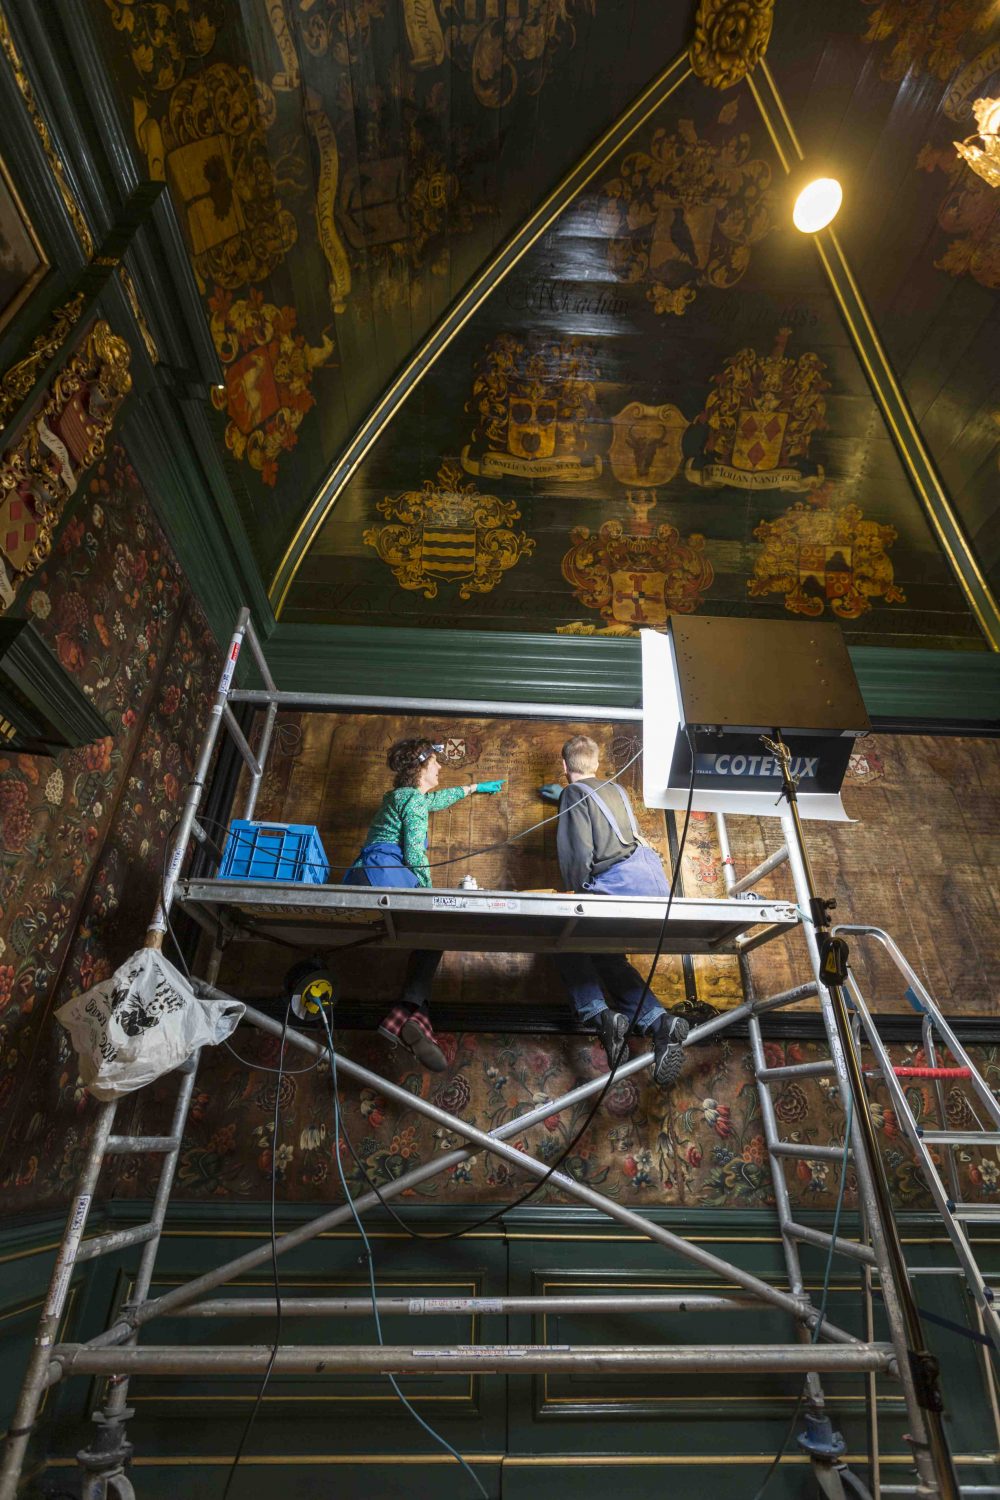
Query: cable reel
[[311, 989]]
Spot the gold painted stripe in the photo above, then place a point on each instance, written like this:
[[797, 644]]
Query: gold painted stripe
[[535, 226], [619, 1460]]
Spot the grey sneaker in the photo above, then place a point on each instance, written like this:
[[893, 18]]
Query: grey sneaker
[[668, 1053], [612, 1028]]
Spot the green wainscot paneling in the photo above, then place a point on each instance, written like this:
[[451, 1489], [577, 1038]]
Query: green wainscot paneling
[[564, 1435], [948, 687]]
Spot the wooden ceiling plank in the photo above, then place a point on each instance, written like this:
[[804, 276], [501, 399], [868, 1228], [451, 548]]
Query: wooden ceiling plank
[[492, 274], [923, 474]]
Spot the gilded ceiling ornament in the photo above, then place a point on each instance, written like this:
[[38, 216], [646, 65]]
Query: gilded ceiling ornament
[[65, 436], [730, 37], [759, 420], [685, 213], [268, 369], [132, 297], [447, 532], [501, 48], [227, 179], [969, 213], [820, 555], [23, 82], [535, 404], [20, 378], [636, 578], [165, 36]]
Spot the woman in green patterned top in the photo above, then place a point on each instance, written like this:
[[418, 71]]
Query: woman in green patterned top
[[395, 854]]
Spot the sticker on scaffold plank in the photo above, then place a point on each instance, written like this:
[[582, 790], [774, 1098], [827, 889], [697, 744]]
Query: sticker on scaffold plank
[[419, 1305], [60, 1286], [502, 903], [449, 903]]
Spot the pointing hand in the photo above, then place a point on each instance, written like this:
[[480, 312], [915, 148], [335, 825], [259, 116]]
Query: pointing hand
[[489, 787]]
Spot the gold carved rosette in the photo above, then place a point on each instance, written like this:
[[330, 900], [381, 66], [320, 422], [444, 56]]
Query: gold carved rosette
[[66, 434], [730, 38]]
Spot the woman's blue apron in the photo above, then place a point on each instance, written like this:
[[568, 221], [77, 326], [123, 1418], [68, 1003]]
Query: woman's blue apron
[[381, 864]]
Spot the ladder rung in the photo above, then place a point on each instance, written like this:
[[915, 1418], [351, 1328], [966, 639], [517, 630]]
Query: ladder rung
[[843, 1247], [977, 1213], [809, 1153], [796, 1070], [118, 1239], [123, 1145], [960, 1137]]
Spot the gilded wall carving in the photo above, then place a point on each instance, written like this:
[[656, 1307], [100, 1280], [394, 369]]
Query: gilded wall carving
[[17, 383], [61, 441]]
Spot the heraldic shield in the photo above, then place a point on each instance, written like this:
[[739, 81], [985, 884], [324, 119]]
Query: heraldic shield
[[646, 444], [450, 533], [759, 421], [635, 579], [821, 555]]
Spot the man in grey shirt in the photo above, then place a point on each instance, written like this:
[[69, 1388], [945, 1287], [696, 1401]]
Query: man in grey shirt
[[601, 851]]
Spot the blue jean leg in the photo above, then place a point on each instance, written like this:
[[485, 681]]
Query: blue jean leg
[[625, 986], [580, 976]]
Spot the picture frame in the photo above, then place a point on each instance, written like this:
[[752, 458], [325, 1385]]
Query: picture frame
[[23, 261]]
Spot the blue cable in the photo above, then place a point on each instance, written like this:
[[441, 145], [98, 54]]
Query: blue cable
[[443, 1442]]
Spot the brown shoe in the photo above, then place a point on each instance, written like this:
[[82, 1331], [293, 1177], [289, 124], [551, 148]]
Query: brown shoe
[[419, 1039], [413, 1029]]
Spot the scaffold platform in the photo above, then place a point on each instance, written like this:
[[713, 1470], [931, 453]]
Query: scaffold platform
[[331, 916]]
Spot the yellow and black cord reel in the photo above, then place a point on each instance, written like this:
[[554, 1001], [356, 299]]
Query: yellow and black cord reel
[[312, 990]]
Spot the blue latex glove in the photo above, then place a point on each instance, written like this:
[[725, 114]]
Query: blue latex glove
[[489, 787], [551, 791]]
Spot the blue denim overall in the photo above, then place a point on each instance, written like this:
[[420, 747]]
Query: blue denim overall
[[587, 976], [383, 865]]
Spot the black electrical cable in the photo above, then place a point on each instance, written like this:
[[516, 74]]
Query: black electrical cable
[[248, 1426], [560, 1159]]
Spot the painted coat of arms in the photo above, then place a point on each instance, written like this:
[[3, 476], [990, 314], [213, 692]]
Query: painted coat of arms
[[685, 213], [268, 369], [497, 46], [759, 420], [821, 555], [636, 579], [225, 176], [534, 405], [646, 445], [447, 532]]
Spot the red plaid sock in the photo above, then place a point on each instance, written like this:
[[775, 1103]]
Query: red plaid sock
[[393, 1023]]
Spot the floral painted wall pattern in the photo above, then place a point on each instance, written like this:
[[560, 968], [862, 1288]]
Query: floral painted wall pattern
[[81, 835]]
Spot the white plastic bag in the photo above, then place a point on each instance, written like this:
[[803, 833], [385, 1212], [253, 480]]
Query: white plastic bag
[[141, 1023]]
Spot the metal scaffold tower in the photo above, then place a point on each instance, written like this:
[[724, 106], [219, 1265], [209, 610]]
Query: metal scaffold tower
[[329, 915]]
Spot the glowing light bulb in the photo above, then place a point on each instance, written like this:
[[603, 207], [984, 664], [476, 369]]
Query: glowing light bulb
[[817, 205]]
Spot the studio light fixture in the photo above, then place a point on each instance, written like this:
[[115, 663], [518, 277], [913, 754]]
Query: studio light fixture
[[982, 151], [817, 204]]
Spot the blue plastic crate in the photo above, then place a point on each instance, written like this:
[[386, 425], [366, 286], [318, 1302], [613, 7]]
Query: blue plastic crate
[[274, 851]]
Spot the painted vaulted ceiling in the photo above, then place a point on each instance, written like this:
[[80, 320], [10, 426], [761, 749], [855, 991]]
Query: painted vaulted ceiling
[[661, 397]]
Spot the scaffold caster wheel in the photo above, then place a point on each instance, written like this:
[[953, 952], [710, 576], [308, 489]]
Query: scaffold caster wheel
[[310, 985]]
